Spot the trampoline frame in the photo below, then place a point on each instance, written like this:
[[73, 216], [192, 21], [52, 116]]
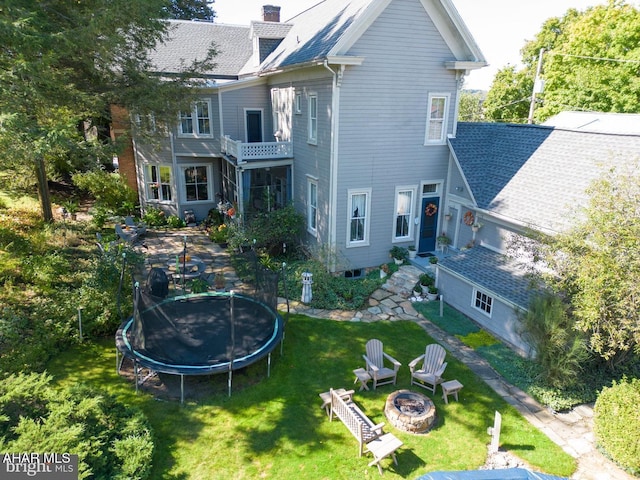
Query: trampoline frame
[[124, 348]]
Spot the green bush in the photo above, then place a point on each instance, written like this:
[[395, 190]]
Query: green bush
[[559, 348], [270, 230], [111, 440], [174, 221], [109, 189], [617, 424], [154, 217]]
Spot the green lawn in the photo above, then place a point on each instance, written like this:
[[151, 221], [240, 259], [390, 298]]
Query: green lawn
[[274, 427]]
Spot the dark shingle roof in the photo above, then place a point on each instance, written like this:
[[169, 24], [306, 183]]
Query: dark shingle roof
[[536, 175], [494, 272], [189, 41]]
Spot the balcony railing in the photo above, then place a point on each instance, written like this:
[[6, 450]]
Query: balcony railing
[[244, 152]]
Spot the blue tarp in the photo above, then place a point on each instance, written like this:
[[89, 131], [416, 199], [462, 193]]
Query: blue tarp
[[504, 474]]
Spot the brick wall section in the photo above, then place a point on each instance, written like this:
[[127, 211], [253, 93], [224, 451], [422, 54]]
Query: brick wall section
[[120, 126]]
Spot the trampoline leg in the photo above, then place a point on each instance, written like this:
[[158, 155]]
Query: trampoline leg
[[269, 365], [181, 389], [282, 343], [117, 362], [135, 373], [229, 381]]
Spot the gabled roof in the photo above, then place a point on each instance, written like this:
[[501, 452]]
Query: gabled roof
[[624, 123], [330, 28], [536, 175], [189, 41]]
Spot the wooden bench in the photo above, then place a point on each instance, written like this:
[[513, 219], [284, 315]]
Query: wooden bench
[[364, 429]]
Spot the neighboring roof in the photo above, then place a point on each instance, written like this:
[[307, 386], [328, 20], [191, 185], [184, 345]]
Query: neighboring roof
[[332, 26], [189, 41], [500, 474], [622, 123], [536, 175], [494, 271]]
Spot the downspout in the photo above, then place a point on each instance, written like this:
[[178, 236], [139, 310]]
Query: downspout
[[174, 167], [333, 163]]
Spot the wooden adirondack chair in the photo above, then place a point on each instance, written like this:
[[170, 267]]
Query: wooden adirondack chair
[[374, 359], [429, 374]]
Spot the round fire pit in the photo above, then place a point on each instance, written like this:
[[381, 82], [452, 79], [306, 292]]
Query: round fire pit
[[410, 412]]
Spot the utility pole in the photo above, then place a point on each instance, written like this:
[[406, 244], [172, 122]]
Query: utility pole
[[538, 86]]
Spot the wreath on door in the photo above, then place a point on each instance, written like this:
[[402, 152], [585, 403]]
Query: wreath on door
[[469, 219], [431, 210]]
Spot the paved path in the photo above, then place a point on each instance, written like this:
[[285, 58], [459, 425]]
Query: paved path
[[572, 431]]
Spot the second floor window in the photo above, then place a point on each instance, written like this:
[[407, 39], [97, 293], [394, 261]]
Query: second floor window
[[436, 119], [313, 119], [197, 121]]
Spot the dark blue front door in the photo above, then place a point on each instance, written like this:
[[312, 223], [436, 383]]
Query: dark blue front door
[[428, 224]]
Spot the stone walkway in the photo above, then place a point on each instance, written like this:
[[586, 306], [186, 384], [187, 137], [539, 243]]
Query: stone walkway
[[573, 430]]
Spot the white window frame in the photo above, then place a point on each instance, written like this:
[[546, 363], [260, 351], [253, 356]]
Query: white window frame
[[312, 206], [411, 215], [431, 120], [148, 183], [183, 183], [298, 103], [487, 302], [194, 118], [367, 217], [312, 130]]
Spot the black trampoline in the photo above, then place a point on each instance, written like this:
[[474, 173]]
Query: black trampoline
[[199, 334]]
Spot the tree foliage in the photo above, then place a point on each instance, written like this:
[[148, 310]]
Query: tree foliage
[[111, 440], [470, 108], [508, 99], [61, 66], [591, 62], [596, 266], [192, 10]]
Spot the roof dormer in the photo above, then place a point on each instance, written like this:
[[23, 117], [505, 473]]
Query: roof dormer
[[267, 34]]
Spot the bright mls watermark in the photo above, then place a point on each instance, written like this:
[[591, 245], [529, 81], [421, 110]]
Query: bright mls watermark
[[46, 466]]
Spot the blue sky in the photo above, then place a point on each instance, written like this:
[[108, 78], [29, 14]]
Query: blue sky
[[500, 27]]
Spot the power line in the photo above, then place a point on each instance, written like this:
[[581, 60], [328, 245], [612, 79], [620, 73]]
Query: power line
[[585, 57]]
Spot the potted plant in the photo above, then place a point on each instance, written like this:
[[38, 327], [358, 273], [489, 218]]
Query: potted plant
[[476, 226], [433, 260], [384, 270], [443, 240], [399, 254], [71, 206], [432, 293], [412, 252], [417, 291], [199, 285], [220, 235], [219, 282], [426, 281]]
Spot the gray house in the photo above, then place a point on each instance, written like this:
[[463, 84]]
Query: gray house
[[344, 110], [508, 178]]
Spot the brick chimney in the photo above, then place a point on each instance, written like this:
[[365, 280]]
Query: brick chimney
[[270, 13]]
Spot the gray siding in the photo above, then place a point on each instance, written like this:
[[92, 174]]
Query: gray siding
[[503, 322], [201, 147], [234, 104], [383, 112]]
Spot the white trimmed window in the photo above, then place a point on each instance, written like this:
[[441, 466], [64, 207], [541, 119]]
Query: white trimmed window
[[359, 218], [436, 119], [158, 183], [313, 119], [312, 206], [483, 302], [195, 183], [298, 105], [197, 121], [403, 214]]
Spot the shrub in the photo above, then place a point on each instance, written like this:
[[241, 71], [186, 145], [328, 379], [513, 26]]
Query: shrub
[[399, 253], [154, 217], [426, 280], [111, 440], [109, 189], [559, 348], [174, 221], [617, 424]]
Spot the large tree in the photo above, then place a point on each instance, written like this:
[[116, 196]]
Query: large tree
[[596, 266], [63, 63], [192, 10], [591, 62]]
